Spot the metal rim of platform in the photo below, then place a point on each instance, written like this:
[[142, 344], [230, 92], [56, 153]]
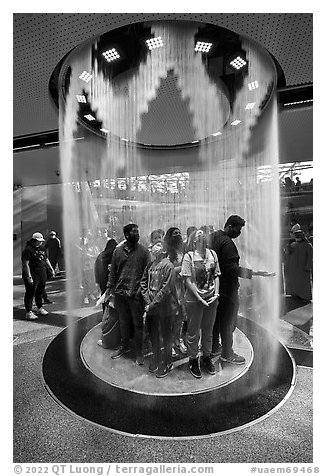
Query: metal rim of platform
[[73, 387]]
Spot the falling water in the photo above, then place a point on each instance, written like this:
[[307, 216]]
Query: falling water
[[109, 186]]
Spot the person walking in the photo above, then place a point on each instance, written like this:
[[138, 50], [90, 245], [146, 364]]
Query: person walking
[[34, 263], [200, 270], [222, 243], [53, 249], [129, 260]]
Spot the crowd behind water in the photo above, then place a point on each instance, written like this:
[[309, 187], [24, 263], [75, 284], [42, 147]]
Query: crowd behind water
[[173, 295]]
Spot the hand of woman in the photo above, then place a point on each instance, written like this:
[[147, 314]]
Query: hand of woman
[[205, 303], [213, 298]]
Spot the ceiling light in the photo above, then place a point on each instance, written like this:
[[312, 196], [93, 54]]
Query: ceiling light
[[106, 131], [126, 140], [203, 47], [81, 98], [89, 117], [111, 55], [253, 85], [235, 123], [153, 43], [250, 105], [195, 141], [217, 134], [297, 102], [238, 62], [85, 76]]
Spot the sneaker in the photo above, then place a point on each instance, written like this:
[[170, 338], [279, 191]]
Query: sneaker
[[47, 301], [174, 354], [140, 360], [161, 373], [208, 365], [234, 359], [100, 343], [30, 316], [42, 312], [181, 346], [194, 367], [153, 367], [86, 300], [120, 352]]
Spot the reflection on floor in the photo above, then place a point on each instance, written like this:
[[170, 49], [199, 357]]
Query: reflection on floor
[[295, 326]]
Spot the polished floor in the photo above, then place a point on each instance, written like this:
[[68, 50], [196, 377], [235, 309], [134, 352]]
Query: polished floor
[[36, 412]]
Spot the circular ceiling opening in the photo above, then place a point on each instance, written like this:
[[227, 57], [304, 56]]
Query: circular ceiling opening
[[164, 83]]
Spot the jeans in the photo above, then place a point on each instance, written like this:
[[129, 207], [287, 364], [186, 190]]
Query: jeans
[[34, 290], [130, 309], [200, 318], [160, 332], [226, 322]]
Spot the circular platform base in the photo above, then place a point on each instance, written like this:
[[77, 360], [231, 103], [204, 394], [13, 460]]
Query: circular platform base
[[77, 374], [125, 374]]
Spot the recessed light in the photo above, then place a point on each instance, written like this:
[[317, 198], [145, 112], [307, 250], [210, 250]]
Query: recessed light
[[253, 85], [89, 117], [250, 105], [235, 123], [153, 43], [85, 76], [238, 62], [111, 55], [203, 46], [81, 98]]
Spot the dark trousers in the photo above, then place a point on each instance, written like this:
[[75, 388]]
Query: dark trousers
[[130, 310], [226, 322], [160, 332], [34, 290]]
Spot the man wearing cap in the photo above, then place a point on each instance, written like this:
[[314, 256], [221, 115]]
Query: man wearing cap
[[53, 248], [34, 264]]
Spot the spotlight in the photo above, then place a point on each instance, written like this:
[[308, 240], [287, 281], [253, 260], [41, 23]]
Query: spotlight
[[85, 76], [238, 61], [235, 123], [153, 43], [203, 46], [253, 85], [81, 98], [111, 55], [89, 117]]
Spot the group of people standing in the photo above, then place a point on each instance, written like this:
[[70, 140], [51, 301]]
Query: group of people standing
[[172, 288]]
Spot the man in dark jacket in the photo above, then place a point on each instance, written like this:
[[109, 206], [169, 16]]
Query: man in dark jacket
[[34, 264], [128, 263], [222, 243]]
